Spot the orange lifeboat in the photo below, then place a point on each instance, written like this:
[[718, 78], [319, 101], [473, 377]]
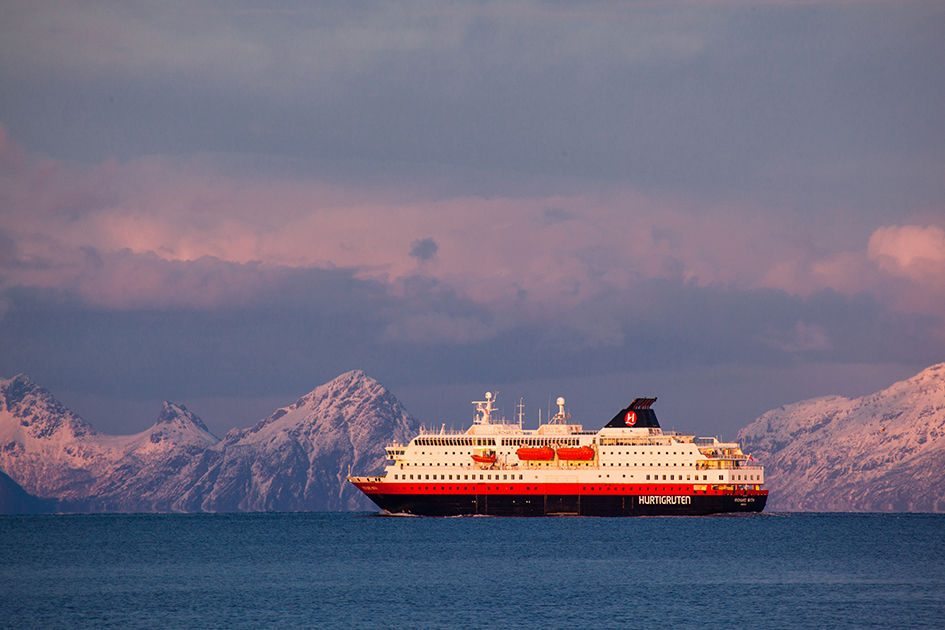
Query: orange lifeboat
[[582, 453], [535, 453], [486, 457]]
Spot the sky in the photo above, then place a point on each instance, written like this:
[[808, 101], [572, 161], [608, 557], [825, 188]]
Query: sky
[[729, 205]]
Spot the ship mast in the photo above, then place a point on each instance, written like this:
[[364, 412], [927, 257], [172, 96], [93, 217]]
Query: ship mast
[[484, 409]]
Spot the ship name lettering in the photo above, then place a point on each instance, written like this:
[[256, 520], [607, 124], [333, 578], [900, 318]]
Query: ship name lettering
[[664, 499]]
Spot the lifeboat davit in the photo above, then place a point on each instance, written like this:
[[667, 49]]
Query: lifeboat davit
[[535, 453], [582, 453], [488, 457]]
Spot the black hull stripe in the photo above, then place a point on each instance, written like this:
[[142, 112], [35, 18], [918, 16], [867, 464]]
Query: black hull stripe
[[568, 505]]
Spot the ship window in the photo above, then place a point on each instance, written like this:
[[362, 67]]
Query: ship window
[[671, 477], [411, 476], [721, 477], [647, 477], [705, 477], [519, 477], [480, 477], [687, 477], [664, 477], [505, 477], [395, 476], [428, 476]]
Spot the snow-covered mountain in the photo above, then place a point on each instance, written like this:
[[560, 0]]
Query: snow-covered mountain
[[294, 460], [298, 458], [882, 452], [51, 452]]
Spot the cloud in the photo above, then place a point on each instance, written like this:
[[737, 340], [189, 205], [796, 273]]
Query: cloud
[[306, 326], [423, 249], [165, 275], [203, 233], [902, 265], [802, 338], [901, 249]]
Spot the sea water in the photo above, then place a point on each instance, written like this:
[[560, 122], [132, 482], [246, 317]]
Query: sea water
[[345, 570]]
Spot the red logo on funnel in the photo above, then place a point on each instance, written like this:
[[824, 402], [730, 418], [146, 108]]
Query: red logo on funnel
[[631, 418]]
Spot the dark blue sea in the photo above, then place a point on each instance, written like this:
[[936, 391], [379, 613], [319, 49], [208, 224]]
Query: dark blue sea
[[338, 570]]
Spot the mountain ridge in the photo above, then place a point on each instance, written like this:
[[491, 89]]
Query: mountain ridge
[[295, 459], [881, 452]]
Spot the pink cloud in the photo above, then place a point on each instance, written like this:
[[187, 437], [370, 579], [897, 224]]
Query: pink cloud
[[901, 249], [201, 233], [902, 265]]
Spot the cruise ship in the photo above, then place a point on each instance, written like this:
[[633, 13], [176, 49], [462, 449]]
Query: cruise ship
[[630, 467]]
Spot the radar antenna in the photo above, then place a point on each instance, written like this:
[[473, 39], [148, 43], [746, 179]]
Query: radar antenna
[[562, 416]]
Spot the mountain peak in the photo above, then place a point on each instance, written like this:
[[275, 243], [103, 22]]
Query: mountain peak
[[351, 398], [342, 387], [171, 413], [352, 379], [16, 389], [36, 410], [175, 421], [352, 375]]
